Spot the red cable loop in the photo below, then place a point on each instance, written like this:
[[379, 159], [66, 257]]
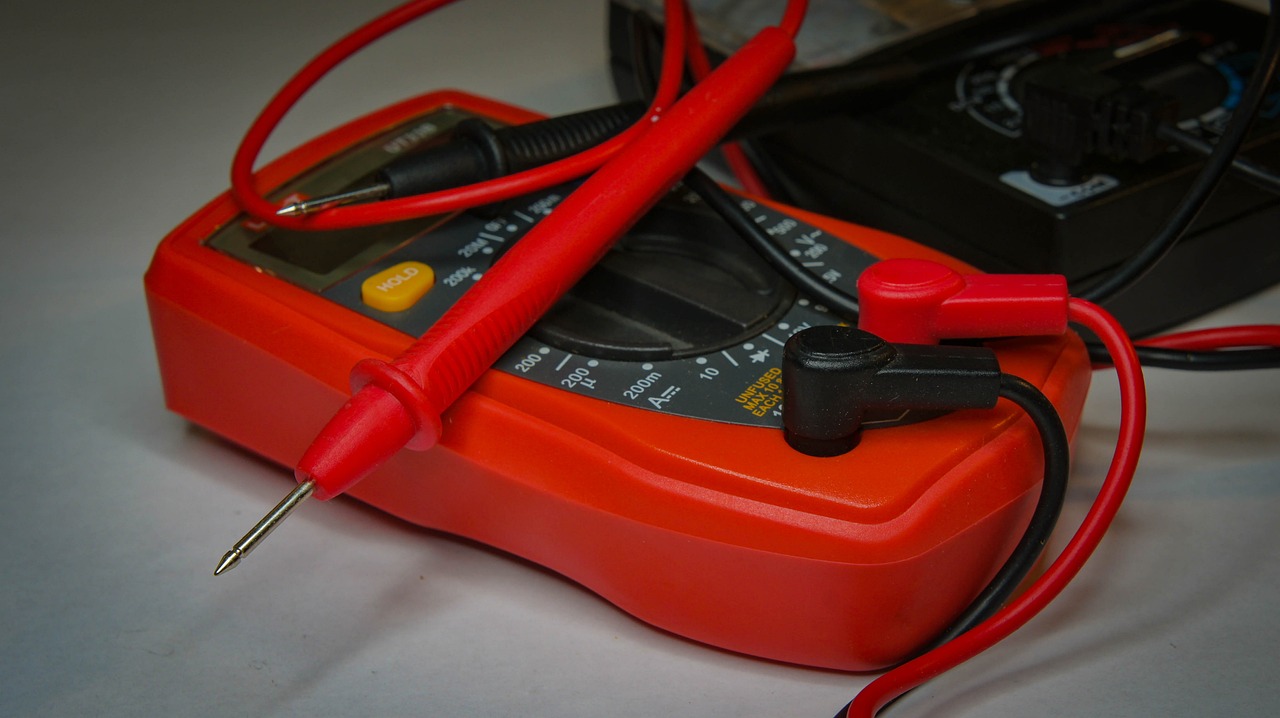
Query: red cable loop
[[1022, 609], [249, 196], [243, 187]]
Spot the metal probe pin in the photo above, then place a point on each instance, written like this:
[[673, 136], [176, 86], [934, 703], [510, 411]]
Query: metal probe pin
[[363, 194], [264, 527]]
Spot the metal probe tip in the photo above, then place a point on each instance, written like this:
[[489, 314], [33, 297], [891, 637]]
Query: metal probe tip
[[363, 194], [264, 527]]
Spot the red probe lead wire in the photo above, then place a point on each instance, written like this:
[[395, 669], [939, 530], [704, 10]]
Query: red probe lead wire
[[249, 196], [1133, 410], [1237, 337]]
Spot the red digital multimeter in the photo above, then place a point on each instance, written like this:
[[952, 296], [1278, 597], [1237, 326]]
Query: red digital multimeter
[[631, 440]]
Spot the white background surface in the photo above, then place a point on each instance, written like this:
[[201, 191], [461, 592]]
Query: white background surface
[[119, 119]]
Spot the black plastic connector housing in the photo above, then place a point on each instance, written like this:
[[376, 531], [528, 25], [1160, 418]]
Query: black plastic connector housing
[[1071, 112], [833, 375]]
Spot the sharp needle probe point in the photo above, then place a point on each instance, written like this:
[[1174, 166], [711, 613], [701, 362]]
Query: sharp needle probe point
[[264, 527], [363, 194]]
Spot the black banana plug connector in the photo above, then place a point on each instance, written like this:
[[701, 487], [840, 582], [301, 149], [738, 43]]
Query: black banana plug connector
[[832, 376]]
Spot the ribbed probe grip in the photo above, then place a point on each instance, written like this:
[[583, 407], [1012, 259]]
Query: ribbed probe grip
[[538, 143], [479, 152]]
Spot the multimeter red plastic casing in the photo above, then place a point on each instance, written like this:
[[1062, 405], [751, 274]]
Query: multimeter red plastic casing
[[713, 531]]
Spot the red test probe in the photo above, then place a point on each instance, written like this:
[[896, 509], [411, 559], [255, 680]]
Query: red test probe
[[399, 404]]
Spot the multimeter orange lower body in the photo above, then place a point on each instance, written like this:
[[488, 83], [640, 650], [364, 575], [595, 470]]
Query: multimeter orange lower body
[[651, 470]]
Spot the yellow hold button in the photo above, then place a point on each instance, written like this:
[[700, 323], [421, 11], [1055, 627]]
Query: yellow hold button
[[397, 288]]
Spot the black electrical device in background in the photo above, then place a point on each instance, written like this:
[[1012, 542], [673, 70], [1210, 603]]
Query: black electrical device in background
[[1043, 155]]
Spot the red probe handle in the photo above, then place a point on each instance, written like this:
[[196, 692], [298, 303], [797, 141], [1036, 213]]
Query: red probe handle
[[916, 301], [399, 404]]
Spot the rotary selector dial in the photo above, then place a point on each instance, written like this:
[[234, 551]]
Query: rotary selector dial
[[680, 284], [681, 317]]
